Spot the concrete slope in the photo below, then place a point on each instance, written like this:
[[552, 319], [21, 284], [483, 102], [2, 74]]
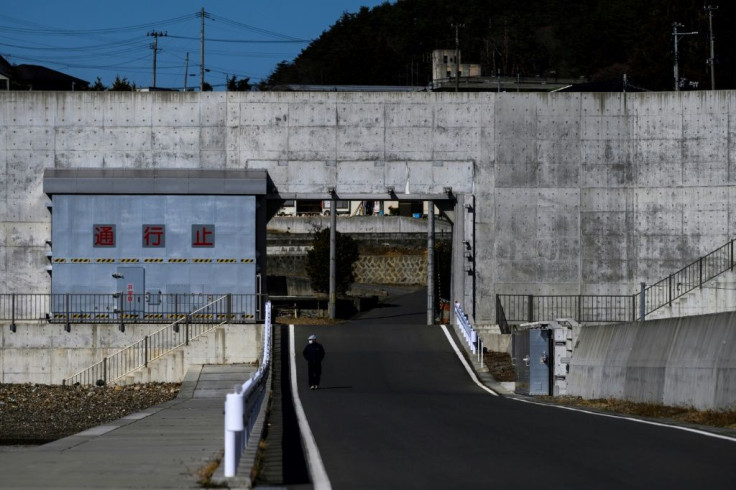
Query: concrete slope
[[396, 409]]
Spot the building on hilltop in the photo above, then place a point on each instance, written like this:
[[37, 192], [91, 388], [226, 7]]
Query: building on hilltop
[[35, 77]]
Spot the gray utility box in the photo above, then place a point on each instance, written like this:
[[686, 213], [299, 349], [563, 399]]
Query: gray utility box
[[541, 354], [530, 355]]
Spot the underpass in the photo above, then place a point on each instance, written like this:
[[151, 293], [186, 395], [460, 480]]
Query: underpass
[[397, 409]]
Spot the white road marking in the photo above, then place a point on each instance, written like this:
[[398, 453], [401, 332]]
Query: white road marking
[[314, 460], [465, 363], [632, 419]]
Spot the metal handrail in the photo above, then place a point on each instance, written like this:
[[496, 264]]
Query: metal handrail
[[616, 308], [153, 346], [117, 308]]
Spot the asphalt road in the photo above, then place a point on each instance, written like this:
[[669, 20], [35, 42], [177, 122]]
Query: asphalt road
[[396, 409]]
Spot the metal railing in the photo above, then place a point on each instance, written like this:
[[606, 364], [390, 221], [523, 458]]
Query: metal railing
[[583, 308], [475, 343], [243, 406], [121, 308], [615, 308], [185, 329]]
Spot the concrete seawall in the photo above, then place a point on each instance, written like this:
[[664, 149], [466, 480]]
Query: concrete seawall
[[689, 361]]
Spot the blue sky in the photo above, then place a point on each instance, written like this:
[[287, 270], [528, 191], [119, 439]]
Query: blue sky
[[103, 38]]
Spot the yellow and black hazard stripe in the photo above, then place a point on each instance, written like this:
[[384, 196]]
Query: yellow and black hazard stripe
[[177, 261], [201, 261], [226, 261], [246, 261], [104, 261], [153, 260], [77, 260], [203, 316], [128, 261], [59, 260], [247, 316], [154, 315]]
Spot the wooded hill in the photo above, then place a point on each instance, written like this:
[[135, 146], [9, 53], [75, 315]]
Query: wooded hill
[[595, 39]]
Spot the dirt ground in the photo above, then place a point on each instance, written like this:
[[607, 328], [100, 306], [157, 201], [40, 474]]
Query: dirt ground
[[35, 414]]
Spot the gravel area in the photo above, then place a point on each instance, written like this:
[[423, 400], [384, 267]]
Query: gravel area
[[36, 414]]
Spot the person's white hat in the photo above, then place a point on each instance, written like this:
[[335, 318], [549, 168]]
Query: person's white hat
[[312, 337]]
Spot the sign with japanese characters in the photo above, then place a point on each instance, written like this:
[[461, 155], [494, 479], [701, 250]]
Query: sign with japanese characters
[[203, 236], [103, 236], [154, 236]]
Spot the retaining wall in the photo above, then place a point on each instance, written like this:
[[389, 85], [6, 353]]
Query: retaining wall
[[689, 361], [44, 353]]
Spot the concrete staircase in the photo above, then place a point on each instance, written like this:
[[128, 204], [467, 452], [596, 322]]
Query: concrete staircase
[[223, 344], [716, 296]]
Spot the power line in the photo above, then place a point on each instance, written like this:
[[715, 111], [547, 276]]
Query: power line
[[245, 41]]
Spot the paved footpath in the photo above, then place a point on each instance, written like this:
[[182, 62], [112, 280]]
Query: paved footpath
[[161, 447]]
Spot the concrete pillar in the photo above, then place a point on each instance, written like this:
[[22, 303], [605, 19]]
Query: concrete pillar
[[331, 308], [430, 264]]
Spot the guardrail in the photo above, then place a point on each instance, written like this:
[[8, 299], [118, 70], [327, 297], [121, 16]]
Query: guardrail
[[122, 308], [471, 336], [243, 406], [151, 347]]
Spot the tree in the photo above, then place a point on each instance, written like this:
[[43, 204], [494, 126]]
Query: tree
[[206, 87], [318, 261], [235, 85], [121, 85], [98, 86]]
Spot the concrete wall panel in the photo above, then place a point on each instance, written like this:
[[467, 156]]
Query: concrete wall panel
[[314, 114], [312, 143], [360, 143], [75, 111], [213, 109], [127, 109], [360, 115]]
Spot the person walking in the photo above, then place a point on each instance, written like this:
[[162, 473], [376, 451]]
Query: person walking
[[314, 353]]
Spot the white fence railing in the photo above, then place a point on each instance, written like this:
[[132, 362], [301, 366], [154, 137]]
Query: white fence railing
[[469, 334], [243, 406]]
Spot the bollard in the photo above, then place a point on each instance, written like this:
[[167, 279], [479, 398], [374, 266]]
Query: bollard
[[233, 425]]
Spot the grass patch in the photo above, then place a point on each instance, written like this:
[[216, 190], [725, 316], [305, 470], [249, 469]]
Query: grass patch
[[713, 418]]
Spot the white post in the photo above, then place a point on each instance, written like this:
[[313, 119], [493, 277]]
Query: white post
[[233, 425]]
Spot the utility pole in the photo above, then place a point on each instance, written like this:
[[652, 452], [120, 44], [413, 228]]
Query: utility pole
[[457, 55], [676, 36], [155, 35], [186, 72], [712, 59], [203, 15]]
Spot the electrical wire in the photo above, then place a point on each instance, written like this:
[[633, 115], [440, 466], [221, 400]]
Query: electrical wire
[[25, 39]]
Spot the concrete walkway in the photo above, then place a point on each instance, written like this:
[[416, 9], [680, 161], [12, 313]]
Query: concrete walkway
[[161, 447]]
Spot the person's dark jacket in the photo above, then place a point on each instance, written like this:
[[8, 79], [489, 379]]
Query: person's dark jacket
[[314, 352]]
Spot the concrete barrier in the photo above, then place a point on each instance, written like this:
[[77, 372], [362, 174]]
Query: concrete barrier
[[46, 354], [689, 361]]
